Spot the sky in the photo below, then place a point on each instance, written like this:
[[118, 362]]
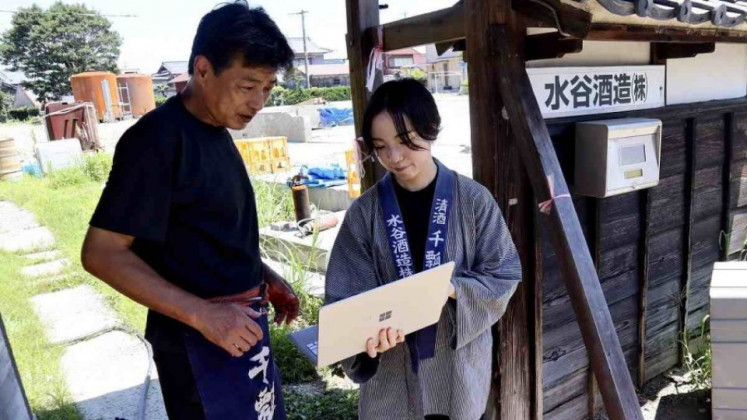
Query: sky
[[162, 30]]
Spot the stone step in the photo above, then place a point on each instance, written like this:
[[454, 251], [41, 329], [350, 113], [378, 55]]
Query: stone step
[[105, 377], [46, 269], [30, 240], [15, 219], [44, 255], [71, 314]]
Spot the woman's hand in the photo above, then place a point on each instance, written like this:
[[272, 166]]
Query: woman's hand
[[388, 338]]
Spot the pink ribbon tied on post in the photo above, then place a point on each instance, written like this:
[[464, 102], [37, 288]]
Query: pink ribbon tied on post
[[546, 206], [375, 60]]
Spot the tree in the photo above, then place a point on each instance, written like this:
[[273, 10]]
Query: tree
[[49, 46]]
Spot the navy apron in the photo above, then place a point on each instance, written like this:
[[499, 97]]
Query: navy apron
[[246, 387], [422, 343]]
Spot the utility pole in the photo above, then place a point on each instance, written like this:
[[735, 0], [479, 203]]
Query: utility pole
[[305, 52]]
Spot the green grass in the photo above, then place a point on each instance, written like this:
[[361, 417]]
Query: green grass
[[38, 362]]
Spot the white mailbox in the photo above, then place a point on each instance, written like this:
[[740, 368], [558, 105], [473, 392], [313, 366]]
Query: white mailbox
[[617, 156]]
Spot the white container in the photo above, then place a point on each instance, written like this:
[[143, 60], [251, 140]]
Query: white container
[[617, 156], [729, 340]]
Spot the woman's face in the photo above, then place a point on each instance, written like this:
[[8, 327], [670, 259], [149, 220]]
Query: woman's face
[[405, 164]]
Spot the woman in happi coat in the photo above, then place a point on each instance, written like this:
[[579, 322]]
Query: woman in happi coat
[[442, 371]]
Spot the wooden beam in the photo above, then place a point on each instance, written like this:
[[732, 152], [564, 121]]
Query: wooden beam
[[726, 178], [662, 33], [550, 45], [539, 158], [429, 28], [691, 139], [570, 21], [496, 165], [668, 50], [594, 207], [362, 14], [535, 324], [645, 212]]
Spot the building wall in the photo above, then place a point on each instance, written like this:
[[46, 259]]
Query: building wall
[[330, 81], [450, 82], [699, 195], [706, 77]]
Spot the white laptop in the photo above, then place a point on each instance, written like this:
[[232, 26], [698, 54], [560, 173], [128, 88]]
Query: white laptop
[[409, 304]]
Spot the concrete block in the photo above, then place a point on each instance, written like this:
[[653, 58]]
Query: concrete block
[[59, 154], [105, 377], [270, 124], [73, 313], [286, 247], [33, 239]]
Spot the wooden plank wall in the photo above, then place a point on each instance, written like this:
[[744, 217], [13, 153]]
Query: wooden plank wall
[[704, 147]]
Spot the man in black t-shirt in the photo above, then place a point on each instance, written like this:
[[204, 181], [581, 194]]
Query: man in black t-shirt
[[176, 227]]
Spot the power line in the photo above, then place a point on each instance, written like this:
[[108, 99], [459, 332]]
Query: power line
[[40, 12]]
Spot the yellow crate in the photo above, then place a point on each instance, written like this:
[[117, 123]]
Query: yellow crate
[[281, 165], [354, 178], [278, 148], [259, 168], [254, 150]]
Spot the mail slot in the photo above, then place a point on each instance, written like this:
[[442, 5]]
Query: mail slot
[[617, 156]]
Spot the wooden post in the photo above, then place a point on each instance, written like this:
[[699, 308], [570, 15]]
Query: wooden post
[[594, 209], [496, 165], [726, 203], [546, 177], [362, 14], [690, 146], [645, 211]]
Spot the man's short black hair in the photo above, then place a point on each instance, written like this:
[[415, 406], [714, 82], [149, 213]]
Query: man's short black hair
[[234, 30], [404, 100]]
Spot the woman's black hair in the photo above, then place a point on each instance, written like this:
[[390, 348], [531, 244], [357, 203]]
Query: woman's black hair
[[234, 30], [404, 100]]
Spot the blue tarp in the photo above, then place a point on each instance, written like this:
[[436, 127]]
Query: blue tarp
[[323, 176], [332, 117]]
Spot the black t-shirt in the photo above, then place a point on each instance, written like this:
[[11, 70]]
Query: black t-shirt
[[416, 213], [179, 186]]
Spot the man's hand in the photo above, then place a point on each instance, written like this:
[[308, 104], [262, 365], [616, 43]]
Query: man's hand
[[229, 326], [282, 297]]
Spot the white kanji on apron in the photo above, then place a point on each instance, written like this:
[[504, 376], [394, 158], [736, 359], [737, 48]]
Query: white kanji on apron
[[265, 405]]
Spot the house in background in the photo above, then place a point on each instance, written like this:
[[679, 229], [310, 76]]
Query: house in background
[[179, 82], [327, 75], [405, 58], [314, 51], [165, 74], [10, 83], [445, 71]]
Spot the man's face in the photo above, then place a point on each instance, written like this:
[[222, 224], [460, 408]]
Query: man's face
[[237, 94]]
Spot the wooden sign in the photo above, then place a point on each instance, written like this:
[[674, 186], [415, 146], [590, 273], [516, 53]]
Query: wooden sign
[[567, 91]]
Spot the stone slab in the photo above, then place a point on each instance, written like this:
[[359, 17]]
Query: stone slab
[[105, 377], [45, 269], [73, 313], [284, 247], [34, 239], [14, 218], [44, 255]]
